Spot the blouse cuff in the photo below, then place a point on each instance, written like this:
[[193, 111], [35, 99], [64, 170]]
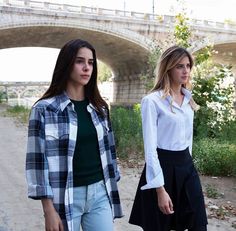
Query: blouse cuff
[[156, 182]]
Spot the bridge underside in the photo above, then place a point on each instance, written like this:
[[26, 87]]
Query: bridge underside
[[124, 57], [226, 53]]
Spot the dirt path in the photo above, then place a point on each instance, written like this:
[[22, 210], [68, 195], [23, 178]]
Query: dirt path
[[18, 213]]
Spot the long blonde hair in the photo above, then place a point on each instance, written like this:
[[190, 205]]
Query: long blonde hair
[[168, 60]]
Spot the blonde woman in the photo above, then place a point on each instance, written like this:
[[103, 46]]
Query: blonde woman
[[169, 194]]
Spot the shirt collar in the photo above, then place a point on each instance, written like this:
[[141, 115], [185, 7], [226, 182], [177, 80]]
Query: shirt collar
[[90, 107], [63, 100], [186, 92]]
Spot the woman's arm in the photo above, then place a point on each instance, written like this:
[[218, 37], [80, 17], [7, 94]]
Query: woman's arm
[[37, 171], [36, 163], [154, 175]]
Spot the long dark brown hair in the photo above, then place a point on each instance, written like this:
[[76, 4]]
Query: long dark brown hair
[[62, 71]]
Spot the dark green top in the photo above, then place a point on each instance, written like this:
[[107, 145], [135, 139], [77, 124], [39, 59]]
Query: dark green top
[[87, 168]]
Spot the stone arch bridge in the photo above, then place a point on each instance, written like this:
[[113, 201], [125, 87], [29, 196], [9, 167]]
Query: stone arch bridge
[[23, 89], [123, 40]]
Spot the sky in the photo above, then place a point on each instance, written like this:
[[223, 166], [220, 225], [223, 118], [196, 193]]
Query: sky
[[204, 9], [21, 64]]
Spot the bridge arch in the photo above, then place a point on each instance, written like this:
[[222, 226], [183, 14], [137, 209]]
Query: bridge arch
[[226, 50], [124, 51]]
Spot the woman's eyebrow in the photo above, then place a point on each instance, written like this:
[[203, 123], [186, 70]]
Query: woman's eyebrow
[[80, 57]]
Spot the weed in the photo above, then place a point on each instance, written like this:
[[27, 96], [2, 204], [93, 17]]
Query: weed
[[211, 192], [19, 112]]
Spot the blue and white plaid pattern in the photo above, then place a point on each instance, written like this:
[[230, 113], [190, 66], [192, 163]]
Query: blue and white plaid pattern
[[49, 160]]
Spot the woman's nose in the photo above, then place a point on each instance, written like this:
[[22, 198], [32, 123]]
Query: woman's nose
[[186, 69], [86, 67]]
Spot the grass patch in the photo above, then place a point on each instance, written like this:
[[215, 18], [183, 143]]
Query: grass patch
[[19, 112], [211, 192]]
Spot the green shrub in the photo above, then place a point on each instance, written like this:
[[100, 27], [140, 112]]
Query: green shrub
[[126, 123], [215, 99], [228, 132], [215, 157]]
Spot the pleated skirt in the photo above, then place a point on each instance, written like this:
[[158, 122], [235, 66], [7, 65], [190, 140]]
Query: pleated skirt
[[182, 183]]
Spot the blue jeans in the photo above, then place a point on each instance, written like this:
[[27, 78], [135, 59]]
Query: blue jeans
[[91, 208]]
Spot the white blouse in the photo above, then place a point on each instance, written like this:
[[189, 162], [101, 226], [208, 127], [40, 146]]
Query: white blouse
[[166, 128]]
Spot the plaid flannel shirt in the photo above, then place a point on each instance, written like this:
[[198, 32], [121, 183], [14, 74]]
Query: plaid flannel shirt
[[51, 143]]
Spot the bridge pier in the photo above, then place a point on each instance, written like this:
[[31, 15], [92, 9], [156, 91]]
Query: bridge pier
[[128, 91]]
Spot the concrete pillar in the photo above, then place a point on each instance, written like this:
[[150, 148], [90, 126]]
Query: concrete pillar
[[128, 91], [46, 5], [26, 2]]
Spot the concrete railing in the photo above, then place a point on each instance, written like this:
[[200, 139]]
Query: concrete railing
[[165, 19], [17, 84]]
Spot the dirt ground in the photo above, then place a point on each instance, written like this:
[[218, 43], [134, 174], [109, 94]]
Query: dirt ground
[[18, 213]]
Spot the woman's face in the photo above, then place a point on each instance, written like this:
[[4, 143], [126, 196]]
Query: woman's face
[[83, 67], [181, 72]]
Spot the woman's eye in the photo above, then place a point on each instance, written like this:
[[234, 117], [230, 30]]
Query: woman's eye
[[183, 66], [79, 61]]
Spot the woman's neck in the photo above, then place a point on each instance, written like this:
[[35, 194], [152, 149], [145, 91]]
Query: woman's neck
[[76, 93], [177, 94], [176, 90]]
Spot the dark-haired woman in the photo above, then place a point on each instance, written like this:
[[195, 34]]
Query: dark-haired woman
[[71, 161], [169, 194]]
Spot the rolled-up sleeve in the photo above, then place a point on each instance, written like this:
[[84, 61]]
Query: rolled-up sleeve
[[37, 173], [113, 151], [154, 174]]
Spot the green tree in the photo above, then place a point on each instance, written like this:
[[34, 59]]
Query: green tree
[[150, 74], [210, 92], [104, 72], [215, 98], [182, 31]]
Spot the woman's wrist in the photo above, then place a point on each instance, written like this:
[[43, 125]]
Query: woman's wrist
[[47, 206], [160, 189]]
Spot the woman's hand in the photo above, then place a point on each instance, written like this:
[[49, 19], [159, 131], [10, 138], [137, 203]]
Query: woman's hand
[[53, 222], [52, 219], [164, 201]]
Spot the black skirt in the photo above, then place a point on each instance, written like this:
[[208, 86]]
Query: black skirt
[[182, 183]]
